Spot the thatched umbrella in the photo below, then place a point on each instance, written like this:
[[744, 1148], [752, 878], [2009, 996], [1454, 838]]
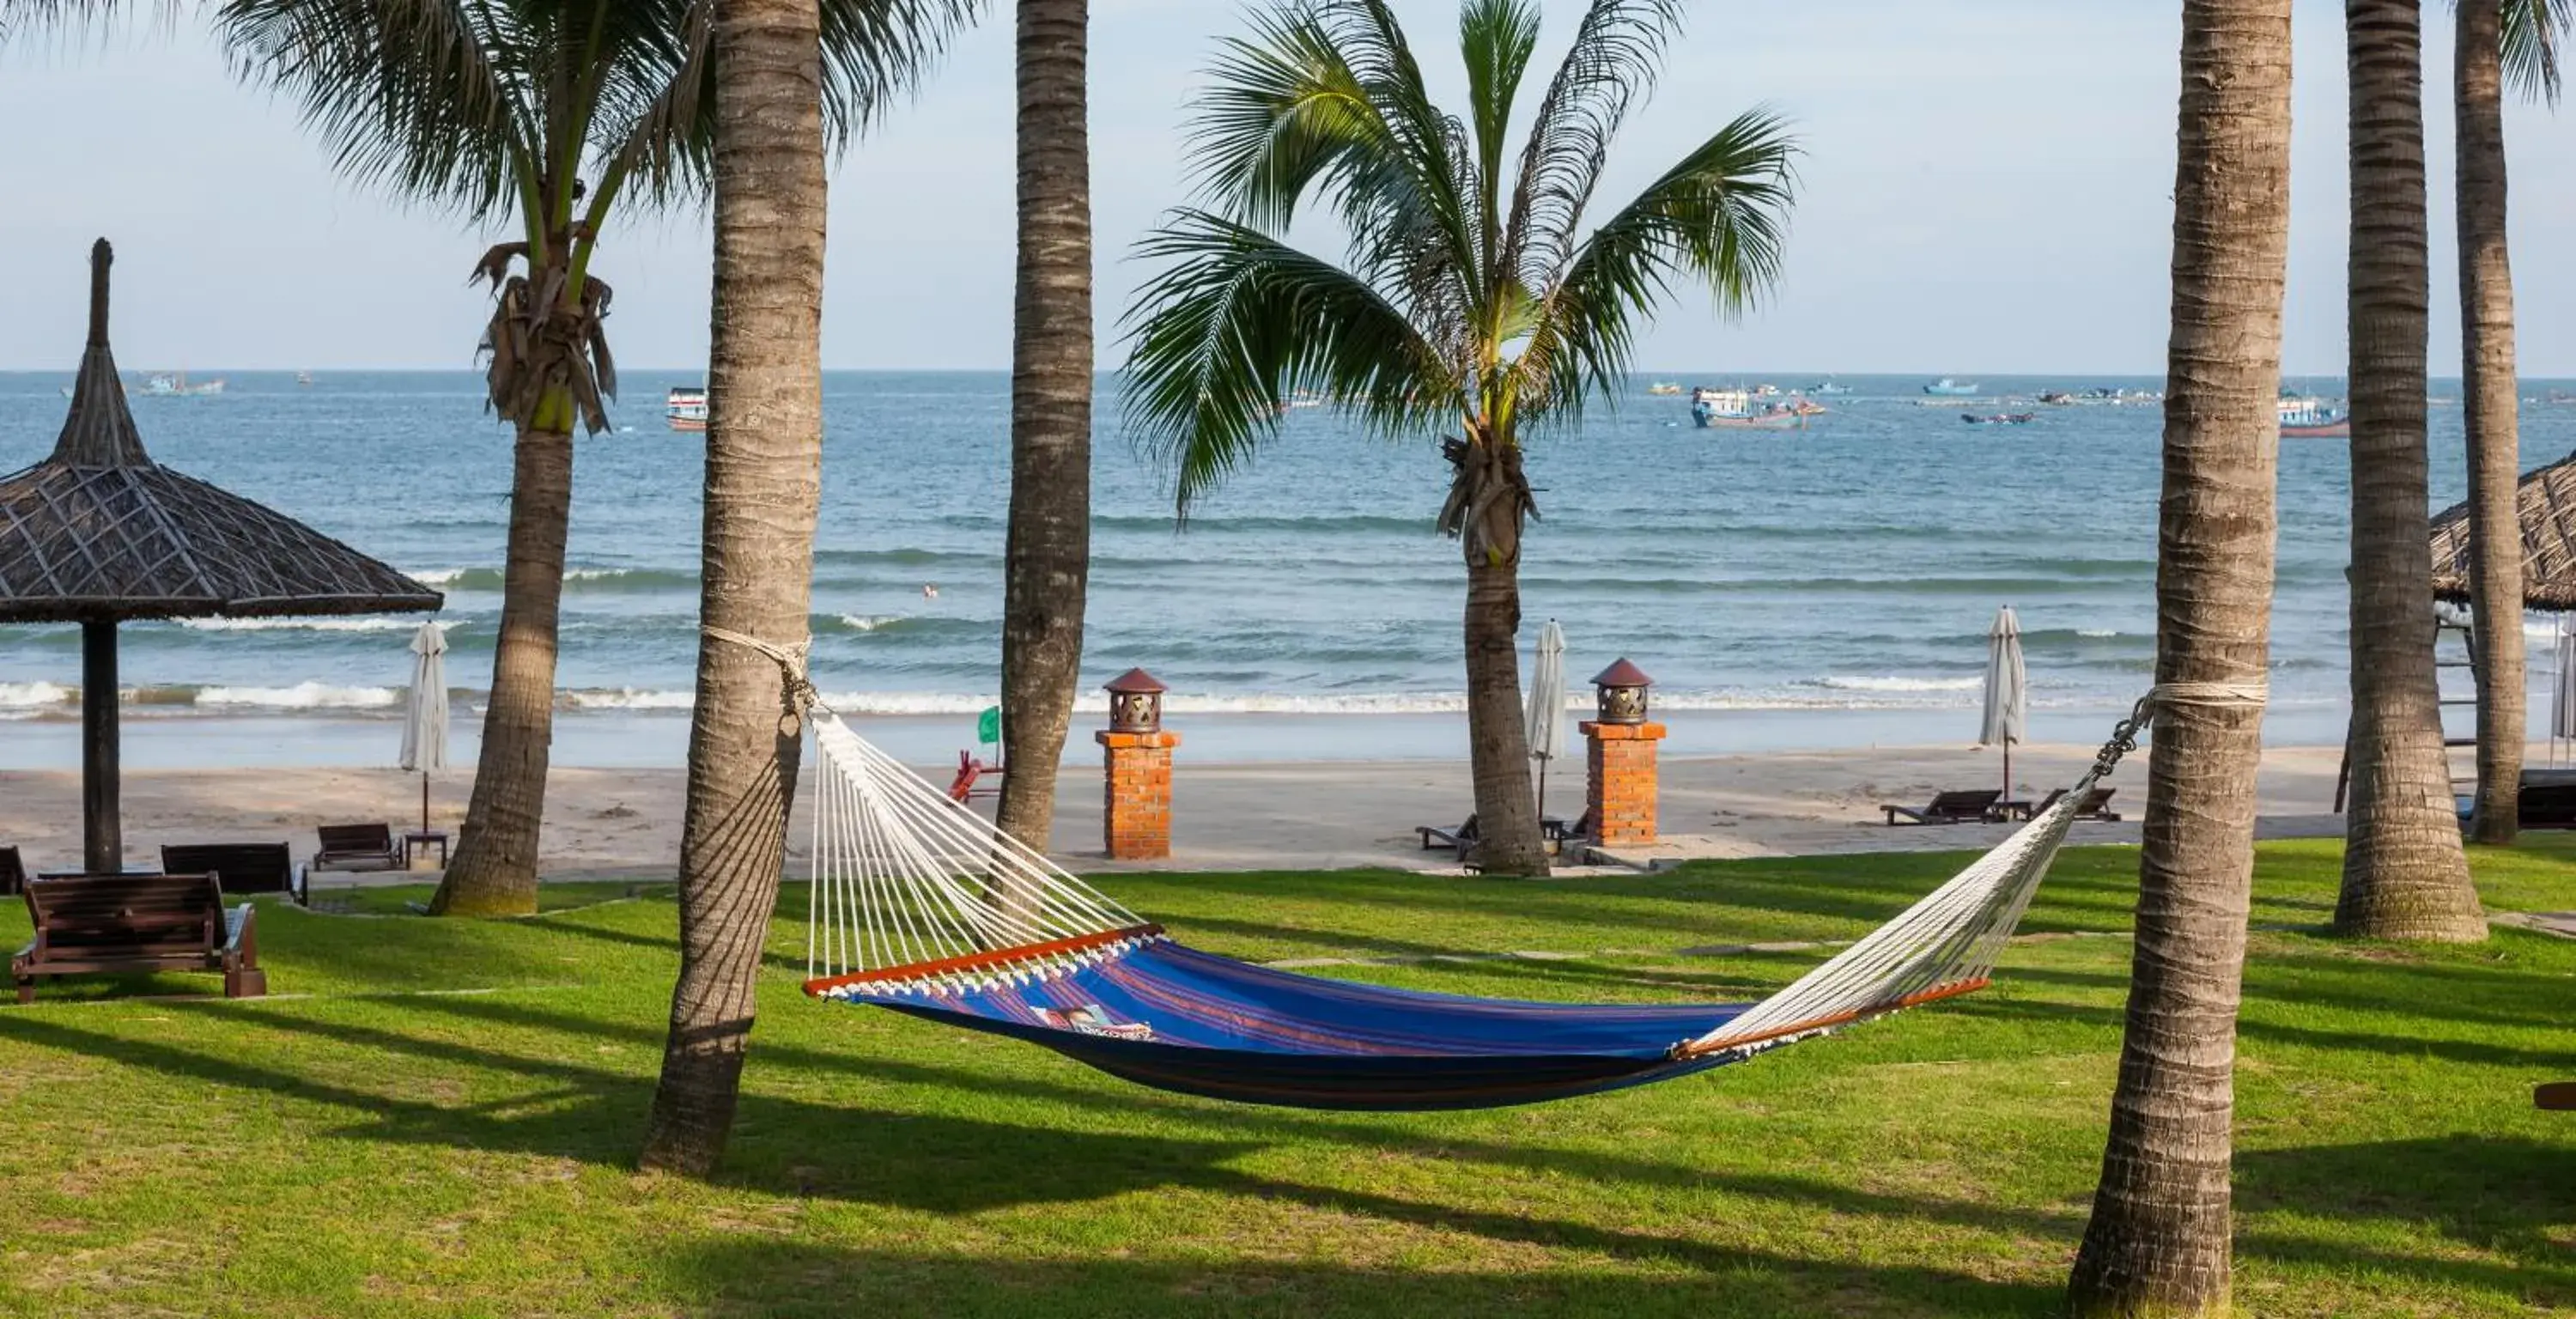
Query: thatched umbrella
[[2545, 504], [99, 533]]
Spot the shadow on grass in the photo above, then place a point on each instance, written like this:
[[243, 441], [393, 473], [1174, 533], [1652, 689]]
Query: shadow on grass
[[807, 1280], [2504, 1194]]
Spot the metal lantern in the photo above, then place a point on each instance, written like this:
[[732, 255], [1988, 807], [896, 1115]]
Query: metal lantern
[[1622, 693], [1135, 703]]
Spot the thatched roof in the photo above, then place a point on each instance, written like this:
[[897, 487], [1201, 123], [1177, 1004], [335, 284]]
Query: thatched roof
[[2546, 504], [99, 530]]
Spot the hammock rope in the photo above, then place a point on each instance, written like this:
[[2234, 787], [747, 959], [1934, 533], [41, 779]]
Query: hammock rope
[[921, 905]]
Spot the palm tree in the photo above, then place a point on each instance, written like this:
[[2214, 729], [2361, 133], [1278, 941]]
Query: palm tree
[[2158, 1239], [1048, 558], [2497, 39], [546, 116], [2404, 874], [1473, 303], [764, 483]]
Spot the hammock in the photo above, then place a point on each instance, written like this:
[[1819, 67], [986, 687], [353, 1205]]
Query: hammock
[[924, 907]]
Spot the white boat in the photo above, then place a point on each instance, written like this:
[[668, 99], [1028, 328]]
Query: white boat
[[175, 384], [687, 408], [1733, 409]]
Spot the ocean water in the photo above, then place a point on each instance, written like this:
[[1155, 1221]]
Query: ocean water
[[1843, 575]]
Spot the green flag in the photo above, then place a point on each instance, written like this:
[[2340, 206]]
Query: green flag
[[988, 725]]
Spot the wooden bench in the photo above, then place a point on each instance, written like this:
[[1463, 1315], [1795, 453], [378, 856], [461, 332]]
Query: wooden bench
[[120, 924], [240, 867], [2558, 1096]]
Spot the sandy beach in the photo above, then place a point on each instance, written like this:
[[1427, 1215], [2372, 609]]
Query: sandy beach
[[1288, 814]]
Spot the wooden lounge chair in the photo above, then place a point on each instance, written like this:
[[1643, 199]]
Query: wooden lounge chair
[[241, 867], [121, 924], [2095, 806], [13, 872], [2557, 1096], [1966, 807], [359, 847], [2547, 800]]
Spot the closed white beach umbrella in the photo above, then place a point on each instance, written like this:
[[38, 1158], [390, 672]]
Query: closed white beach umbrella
[[1547, 704], [2007, 690], [424, 747], [2562, 684]]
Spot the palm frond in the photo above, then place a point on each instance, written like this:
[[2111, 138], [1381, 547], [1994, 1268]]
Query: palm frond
[[1236, 323], [1496, 37], [2533, 32], [1612, 62], [422, 96], [1718, 218]]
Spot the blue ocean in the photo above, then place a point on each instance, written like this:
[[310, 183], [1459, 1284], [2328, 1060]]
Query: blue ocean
[[1825, 586]]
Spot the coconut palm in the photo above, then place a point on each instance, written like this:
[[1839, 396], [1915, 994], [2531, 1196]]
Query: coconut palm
[[1047, 561], [1474, 306], [2157, 1242], [2404, 874], [552, 117], [763, 486], [2497, 41]]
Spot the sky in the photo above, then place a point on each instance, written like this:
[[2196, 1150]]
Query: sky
[[1983, 189]]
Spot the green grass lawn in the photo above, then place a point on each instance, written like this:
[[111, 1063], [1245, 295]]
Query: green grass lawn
[[439, 1118]]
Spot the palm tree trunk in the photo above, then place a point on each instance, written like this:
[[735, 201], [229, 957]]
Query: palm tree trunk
[[2158, 1239], [2404, 875], [494, 872], [1047, 561], [764, 480], [2495, 458], [1507, 833]]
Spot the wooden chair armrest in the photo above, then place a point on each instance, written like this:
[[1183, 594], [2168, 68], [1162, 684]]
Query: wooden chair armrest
[[239, 938]]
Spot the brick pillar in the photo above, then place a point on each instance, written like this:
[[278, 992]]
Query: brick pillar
[[1136, 822], [1620, 781]]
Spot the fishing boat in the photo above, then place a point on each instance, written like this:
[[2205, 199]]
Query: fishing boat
[[175, 384], [1664, 389], [2304, 418], [1945, 387], [1827, 387], [1999, 418], [304, 379], [1732, 409], [687, 408]]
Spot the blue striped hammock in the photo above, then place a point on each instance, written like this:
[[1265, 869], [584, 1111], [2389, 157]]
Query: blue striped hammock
[[925, 908]]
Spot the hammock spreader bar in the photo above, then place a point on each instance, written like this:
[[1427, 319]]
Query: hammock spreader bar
[[924, 907]]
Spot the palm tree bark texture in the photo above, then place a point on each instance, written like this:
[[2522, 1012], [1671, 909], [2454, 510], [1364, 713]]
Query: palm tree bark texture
[[2489, 398], [763, 486], [2158, 1239], [2404, 875], [1047, 558]]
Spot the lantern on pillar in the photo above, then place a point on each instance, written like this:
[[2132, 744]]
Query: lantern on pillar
[[1621, 693], [1135, 702]]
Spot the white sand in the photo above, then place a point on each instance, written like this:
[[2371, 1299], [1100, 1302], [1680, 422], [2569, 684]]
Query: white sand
[[1247, 816]]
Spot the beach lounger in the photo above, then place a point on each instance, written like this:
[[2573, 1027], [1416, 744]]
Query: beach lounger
[[2095, 806], [359, 847], [1551, 828], [240, 867], [1970, 807], [2547, 801], [13, 872], [121, 924]]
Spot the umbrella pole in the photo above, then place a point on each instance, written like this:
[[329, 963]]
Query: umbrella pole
[[424, 801], [1542, 787], [2008, 769], [102, 830]]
